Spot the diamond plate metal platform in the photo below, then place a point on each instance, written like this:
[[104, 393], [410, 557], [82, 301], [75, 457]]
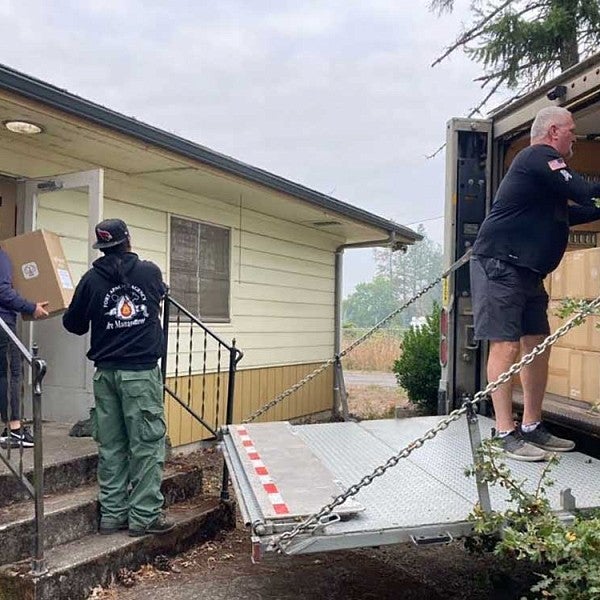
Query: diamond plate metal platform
[[425, 497]]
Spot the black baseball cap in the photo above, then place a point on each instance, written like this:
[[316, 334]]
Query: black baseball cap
[[109, 233]]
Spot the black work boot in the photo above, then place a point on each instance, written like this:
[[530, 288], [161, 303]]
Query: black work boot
[[159, 526]]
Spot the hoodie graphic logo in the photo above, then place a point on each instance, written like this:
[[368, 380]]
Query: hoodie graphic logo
[[125, 307]]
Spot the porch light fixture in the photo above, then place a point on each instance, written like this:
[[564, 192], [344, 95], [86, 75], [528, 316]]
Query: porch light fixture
[[23, 127]]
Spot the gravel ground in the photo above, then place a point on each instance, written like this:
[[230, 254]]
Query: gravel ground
[[367, 378]]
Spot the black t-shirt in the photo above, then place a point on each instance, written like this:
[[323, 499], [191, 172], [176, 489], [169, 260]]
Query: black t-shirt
[[528, 224]]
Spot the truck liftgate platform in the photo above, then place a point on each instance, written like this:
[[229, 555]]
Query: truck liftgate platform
[[283, 473]]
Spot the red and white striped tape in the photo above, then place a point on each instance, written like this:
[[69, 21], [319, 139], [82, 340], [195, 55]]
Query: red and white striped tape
[[279, 506]]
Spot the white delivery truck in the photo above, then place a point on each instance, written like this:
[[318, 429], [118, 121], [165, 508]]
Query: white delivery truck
[[330, 486]]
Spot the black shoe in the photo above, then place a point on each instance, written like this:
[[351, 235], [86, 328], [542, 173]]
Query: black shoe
[[542, 438], [7, 440], [24, 434], [107, 529], [17, 437], [514, 446], [159, 526]]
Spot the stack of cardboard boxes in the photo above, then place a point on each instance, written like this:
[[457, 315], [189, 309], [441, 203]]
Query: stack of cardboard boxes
[[574, 369]]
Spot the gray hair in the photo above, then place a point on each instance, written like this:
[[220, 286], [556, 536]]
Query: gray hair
[[546, 117]]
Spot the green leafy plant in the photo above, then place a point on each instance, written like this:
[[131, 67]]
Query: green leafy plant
[[569, 306], [418, 368], [567, 552]]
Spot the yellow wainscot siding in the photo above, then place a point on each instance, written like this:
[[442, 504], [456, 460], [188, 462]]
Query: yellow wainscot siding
[[253, 389]]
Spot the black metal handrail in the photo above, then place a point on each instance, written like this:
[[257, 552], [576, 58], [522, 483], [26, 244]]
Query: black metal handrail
[[36, 491], [202, 360]]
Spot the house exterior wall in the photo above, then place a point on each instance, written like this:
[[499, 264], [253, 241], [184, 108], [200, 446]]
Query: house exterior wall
[[282, 289]]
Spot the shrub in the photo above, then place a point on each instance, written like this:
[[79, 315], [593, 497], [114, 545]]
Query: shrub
[[564, 554], [418, 369]]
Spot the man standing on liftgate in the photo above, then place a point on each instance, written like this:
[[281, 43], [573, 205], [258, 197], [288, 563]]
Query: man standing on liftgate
[[522, 239], [120, 296]]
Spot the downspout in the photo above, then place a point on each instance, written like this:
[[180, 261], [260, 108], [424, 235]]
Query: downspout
[[340, 405]]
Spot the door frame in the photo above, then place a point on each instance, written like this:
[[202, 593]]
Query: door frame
[[28, 194], [93, 180]]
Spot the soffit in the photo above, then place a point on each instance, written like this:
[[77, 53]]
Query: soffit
[[69, 140]]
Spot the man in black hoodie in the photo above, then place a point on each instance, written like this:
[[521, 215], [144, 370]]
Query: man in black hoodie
[[120, 296]]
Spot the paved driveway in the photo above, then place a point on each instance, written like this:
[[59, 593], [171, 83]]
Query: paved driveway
[[382, 379]]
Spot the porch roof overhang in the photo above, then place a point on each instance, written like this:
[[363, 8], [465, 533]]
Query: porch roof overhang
[[85, 132]]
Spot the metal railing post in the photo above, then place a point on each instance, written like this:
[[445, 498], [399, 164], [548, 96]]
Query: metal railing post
[[166, 319], [233, 352], [340, 396], [38, 369]]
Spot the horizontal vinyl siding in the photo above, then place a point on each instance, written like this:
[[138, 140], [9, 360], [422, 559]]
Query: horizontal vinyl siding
[[279, 263], [293, 310], [282, 247], [271, 277], [282, 274], [284, 294], [147, 227]]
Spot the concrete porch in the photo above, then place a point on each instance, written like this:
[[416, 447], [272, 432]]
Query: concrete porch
[[78, 559]]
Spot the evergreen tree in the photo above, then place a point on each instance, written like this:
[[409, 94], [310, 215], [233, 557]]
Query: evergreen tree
[[522, 43]]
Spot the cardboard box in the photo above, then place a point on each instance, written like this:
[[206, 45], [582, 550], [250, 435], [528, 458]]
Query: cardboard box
[[578, 275], [557, 279], [584, 376], [585, 336], [40, 270], [558, 371]]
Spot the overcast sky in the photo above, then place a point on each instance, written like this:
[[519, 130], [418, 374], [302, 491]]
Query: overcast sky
[[336, 95]]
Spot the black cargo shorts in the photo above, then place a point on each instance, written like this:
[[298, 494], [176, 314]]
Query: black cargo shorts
[[508, 301]]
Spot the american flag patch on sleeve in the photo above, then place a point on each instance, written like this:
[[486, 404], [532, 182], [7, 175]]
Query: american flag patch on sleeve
[[556, 164]]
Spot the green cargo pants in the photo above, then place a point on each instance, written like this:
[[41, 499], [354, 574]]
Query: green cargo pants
[[129, 425]]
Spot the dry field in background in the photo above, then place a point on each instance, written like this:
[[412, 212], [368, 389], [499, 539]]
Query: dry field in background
[[377, 402], [377, 353]]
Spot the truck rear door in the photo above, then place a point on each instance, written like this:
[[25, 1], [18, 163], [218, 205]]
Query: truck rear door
[[468, 197]]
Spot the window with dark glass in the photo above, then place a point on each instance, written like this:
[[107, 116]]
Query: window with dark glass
[[199, 268]]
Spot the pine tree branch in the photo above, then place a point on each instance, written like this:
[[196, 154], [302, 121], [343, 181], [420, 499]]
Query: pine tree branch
[[441, 6], [475, 31], [477, 109], [487, 78], [434, 154]]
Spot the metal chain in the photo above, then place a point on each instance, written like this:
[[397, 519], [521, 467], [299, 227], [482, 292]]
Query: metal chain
[[285, 538], [459, 263], [288, 392]]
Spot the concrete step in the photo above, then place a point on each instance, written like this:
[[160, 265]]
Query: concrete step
[[74, 569], [74, 514], [68, 463]]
